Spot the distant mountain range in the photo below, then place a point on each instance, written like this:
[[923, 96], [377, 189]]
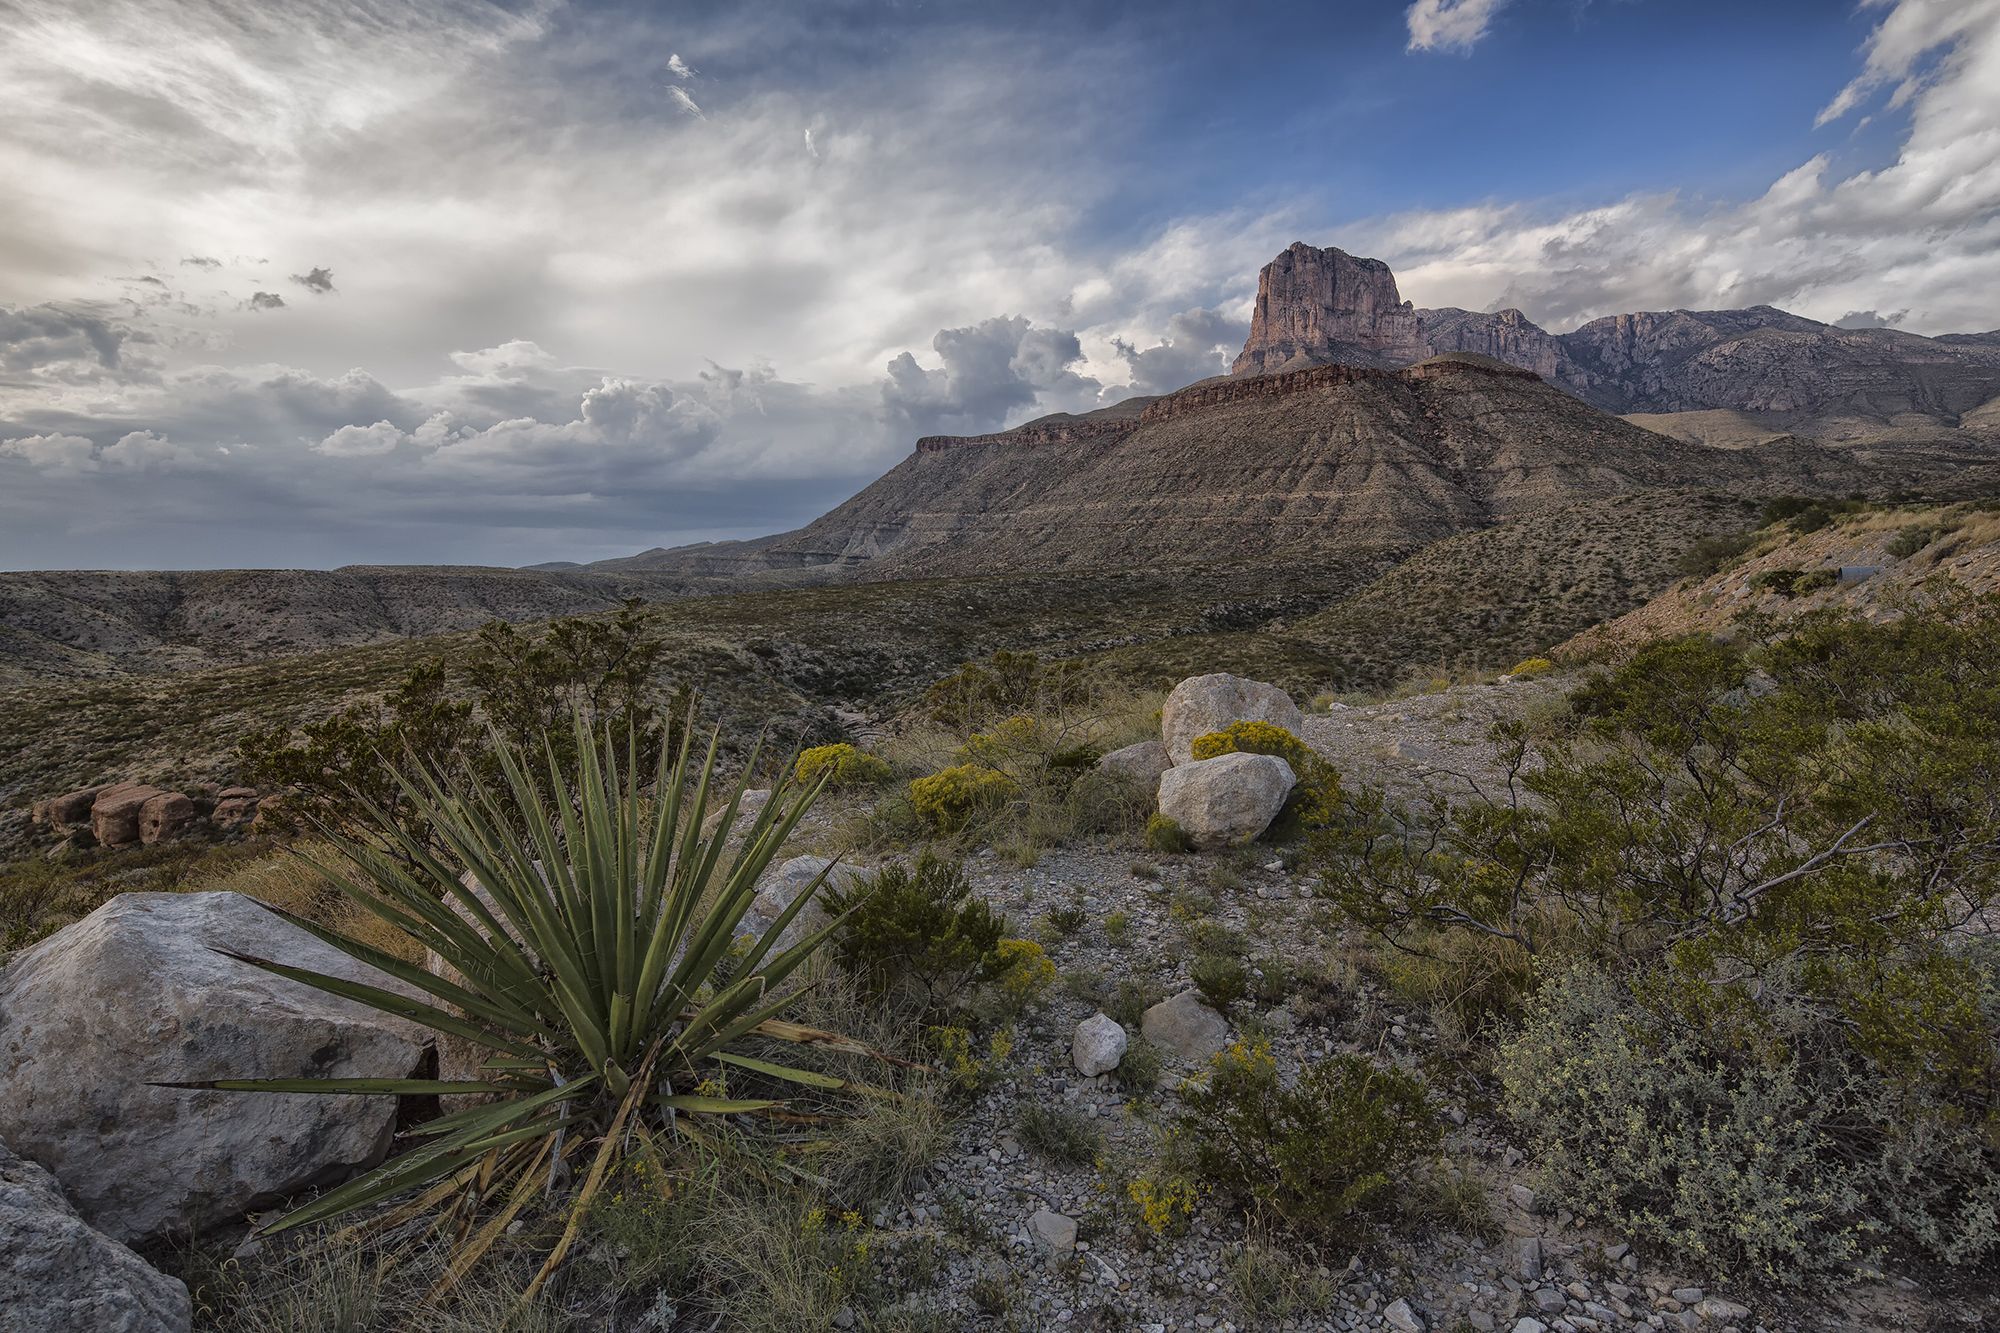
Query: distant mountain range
[[1316, 307], [1353, 432]]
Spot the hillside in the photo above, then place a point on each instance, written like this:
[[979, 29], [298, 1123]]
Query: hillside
[[83, 623], [1287, 465], [1870, 561]]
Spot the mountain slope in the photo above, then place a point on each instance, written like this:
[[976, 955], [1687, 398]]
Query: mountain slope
[[1331, 458]]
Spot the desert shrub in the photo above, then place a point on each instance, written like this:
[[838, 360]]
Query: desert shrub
[[1139, 1071], [1164, 834], [1117, 925], [1912, 539], [1816, 580], [1711, 555], [1060, 1133], [844, 765], [1023, 974], [1772, 1153], [951, 799], [1531, 666], [1783, 582], [916, 934], [1316, 798], [1221, 978], [1006, 684], [514, 686], [1782, 507], [1318, 1156], [1064, 922]]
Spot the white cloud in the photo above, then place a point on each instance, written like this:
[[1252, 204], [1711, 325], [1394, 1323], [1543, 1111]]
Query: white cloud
[[1450, 25], [682, 101], [53, 453], [363, 441], [679, 68]]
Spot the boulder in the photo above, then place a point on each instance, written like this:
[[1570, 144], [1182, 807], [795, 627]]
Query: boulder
[[1186, 1027], [57, 1273], [1202, 704], [114, 812], [1227, 800], [234, 812], [1098, 1046], [1143, 763], [65, 812], [784, 882], [163, 816], [747, 810], [141, 993]]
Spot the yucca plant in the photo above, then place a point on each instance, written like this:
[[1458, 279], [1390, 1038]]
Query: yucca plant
[[595, 973]]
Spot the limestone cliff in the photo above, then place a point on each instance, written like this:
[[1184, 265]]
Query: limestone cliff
[[1316, 306]]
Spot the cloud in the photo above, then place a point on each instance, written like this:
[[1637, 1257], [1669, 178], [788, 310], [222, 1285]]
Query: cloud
[[201, 261], [318, 281], [266, 301], [362, 441], [683, 102], [1198, 344], [988, 371], [53, 453], [1896, 46], [679, 68], [59, 334], [1450, 25], [1869, 319]]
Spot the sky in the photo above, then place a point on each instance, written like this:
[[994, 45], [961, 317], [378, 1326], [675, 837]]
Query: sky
[[323, 282]]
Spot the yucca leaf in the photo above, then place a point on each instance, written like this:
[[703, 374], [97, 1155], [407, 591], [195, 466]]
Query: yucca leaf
[[371, 1087], [694, 1101]]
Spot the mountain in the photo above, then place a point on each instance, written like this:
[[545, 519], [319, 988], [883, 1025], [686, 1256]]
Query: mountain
[[1284, 465], [1790, 374], [1319, 306]]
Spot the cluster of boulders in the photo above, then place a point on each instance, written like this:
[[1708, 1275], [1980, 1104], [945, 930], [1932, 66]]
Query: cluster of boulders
[[133, 814], [110, 1030], [1229, 799]]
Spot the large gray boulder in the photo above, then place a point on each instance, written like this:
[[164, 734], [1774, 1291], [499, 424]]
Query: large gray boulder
[[1185, 1027], [1143, 763], [782, 884], [58, 1274], [1202, 704], [1227, 800], [141, 992]]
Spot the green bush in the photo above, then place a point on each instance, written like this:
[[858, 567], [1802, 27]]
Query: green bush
[[1783, 582], [1221, 978], [845, 765], [951, 799], [1164, 834], [1318, 1156], [1779, 1157], [1910, 540], [916, 934], [1711, 555]]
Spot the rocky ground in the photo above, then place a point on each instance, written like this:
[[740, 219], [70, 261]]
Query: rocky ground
[[1047, 1241]]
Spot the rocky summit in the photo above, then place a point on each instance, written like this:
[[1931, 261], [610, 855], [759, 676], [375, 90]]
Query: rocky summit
[[1788, 373], [1316, 306]]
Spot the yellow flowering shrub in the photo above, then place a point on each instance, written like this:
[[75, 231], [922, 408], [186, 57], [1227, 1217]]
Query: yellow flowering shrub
[[1315, 801], [848, 766], [950, 799]]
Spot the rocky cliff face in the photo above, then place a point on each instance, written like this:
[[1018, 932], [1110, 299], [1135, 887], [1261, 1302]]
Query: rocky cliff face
[[1324, 306], [1316, 306]]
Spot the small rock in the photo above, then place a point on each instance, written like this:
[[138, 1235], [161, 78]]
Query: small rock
[[1523, 1197], [1721, 1311], [1401, 1316], [1548, 1300], [1522, 1256], [1053, 1233], [1689, 1295], [1526, 1325], [1098, 1046]]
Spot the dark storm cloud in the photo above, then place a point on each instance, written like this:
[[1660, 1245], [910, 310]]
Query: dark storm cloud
[[1198, 344], [36, 337], [267, 301], [318, 281], [1871, 319], [201, 261]]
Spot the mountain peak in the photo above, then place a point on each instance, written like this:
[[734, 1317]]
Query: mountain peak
[[1318, 305]]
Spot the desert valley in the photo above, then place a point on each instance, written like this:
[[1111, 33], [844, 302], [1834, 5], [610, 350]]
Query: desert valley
[[1433, 824]]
